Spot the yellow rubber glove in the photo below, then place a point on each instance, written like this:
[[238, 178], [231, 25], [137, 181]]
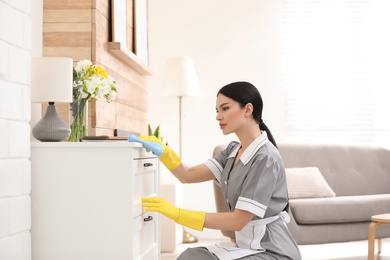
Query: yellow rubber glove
[[187, 218], [169, 158]]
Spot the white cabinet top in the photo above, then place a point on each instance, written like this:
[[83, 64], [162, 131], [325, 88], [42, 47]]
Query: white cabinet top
[[97, 144]]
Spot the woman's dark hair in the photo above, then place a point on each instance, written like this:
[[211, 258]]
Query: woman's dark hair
[[244, 93]]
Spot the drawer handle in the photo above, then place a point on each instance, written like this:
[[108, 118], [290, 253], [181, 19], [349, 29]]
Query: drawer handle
[[148, 164], [149, 218]]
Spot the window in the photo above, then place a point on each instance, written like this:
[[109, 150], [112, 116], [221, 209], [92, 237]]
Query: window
[[336, 58]]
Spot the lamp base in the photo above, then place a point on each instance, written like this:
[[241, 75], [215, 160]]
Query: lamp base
[[51, 128], [189, 238]]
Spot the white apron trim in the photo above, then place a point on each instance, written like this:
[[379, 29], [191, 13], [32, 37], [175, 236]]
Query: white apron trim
[[247, 240]]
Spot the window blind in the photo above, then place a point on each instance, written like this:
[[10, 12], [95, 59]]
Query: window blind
[[333, 69]]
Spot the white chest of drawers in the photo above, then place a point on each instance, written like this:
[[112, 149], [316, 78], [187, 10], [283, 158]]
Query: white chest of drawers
[[86, 201]]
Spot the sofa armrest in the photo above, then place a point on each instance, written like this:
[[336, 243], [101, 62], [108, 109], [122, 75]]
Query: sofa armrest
[[221, 207]]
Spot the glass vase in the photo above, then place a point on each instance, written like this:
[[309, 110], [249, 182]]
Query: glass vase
[[78, 127]]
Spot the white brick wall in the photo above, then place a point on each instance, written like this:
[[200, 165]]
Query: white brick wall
[[15, 114]]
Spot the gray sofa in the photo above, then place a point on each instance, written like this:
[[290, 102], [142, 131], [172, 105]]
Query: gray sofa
[[358, 175]]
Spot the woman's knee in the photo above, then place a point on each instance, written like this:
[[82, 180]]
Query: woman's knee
[[197, 253]]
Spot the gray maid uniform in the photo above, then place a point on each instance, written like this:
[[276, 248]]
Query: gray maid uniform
[[257, 183]]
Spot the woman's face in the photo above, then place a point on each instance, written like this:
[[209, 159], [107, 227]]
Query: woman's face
[[230, 115]]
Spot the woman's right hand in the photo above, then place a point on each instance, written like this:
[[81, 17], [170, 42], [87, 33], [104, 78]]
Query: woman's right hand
[[166, 155]]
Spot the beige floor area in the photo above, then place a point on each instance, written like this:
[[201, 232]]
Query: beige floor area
[[339, 251]]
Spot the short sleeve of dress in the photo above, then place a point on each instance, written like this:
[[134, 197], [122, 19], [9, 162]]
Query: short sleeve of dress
[[259, 185], [218, 162]]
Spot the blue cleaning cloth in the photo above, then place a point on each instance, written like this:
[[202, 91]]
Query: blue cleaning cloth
[[156, 148]]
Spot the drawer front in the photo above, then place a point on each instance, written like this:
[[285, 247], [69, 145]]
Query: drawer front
[[145, 165], [145, 236], [145, 176], [140, 152]]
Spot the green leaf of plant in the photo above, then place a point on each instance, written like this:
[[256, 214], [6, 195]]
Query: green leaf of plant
[[157, 132]]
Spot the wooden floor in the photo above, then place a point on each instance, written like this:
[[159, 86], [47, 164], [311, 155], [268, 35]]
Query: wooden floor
[[340, 251]]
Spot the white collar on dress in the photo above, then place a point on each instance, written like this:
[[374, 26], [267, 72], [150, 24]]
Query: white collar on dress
[[251, 150]]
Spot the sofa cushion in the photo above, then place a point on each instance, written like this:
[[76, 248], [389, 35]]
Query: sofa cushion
[[339, 209], [307, 182]]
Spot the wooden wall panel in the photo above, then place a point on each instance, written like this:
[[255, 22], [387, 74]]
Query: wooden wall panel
[[134, 96], [101, 131], [104, 114], [128, 116], [80, 29], [67, 27], [113, 64], [76, 53], [101, 27], [102, 6], [67, 16], [131, 94], [68, 4], [67, 39]]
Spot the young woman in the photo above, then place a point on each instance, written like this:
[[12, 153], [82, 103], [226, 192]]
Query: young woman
[[252, 179]]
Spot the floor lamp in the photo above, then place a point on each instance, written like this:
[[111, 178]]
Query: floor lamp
[[180, 80]]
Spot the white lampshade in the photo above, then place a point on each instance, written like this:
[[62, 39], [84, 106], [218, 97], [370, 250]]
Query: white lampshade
[[180, 78], [51, 79]]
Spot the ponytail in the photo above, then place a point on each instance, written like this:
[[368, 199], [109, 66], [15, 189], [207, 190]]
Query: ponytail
[[264, 127]]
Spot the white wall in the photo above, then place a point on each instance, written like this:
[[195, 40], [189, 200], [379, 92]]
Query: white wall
[[229, 40], [15, 172], [36, 52]]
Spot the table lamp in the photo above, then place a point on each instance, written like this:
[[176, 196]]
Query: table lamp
[[180, 80], [51, 81]]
